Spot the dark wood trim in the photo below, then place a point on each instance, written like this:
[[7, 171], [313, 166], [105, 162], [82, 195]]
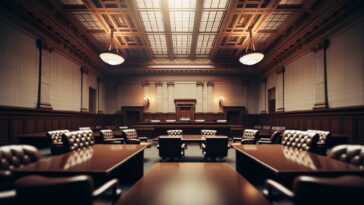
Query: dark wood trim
[[16, 121], [326, 103], [348, 121]]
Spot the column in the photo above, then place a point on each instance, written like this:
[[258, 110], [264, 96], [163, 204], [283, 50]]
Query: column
[[164, 97], [44, 83], [264, 82], [100, 96], [204, 97], [280, 90], [171, 105], [210, 100], [158, 86], [199, 96], [319, 50], [84, 89]]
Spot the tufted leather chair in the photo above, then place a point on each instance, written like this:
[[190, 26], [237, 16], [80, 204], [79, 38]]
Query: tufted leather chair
[[55, 141], [322, 142], [175, 132], [84, 128], [107, 136], [208, 132], [302, 140], [250, 136], [215, 147], [78, 190], [78, 140], [170, 147], [317, 190], [15, 156], [275, 138], [132, 137], [353, 154]]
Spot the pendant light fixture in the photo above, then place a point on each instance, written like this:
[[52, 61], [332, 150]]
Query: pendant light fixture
[[251, 57], [109, 57]]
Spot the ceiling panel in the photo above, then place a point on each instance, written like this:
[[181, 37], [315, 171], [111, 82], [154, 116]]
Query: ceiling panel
[[182, 21]]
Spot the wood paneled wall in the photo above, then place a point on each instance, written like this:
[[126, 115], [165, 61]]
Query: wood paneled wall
[[15, 121], [349, 121]]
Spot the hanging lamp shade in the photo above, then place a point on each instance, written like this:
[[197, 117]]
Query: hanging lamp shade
[[109, 57], [112, 58], [253, 57]]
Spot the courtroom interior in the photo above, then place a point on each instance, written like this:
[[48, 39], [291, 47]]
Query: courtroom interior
[[174, 102]]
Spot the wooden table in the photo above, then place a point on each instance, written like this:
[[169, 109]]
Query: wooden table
[[192, 183], [102, 162], [259, 162], [40, 140]]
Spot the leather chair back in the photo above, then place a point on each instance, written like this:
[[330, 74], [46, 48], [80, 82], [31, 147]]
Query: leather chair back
[[107, 134], [175, 132], [15, 156], [55, 136], [130, 134], [276, 137], [56, 191], [216, 147], [333, 191], [302, 140], [170, 146], [323, 136], [208, 132], [353, 154], [84, 128], [250, 134], [55, 141], [78, 139]]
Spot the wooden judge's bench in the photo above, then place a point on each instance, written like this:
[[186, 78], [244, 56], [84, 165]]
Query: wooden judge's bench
[[185, 118]]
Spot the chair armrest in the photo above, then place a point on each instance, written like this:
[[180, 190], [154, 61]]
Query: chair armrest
[[8, 197], [236, 139], [143, 139], [273, 186], [264, 141], [110, 185], [247, 141], [183, 146], [203, 146], [133, 141]]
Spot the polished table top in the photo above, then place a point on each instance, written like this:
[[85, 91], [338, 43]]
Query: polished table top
[[192, 183], [281, 159], [101, 159]]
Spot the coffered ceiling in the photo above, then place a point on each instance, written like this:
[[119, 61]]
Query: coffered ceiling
[[184, 32]]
